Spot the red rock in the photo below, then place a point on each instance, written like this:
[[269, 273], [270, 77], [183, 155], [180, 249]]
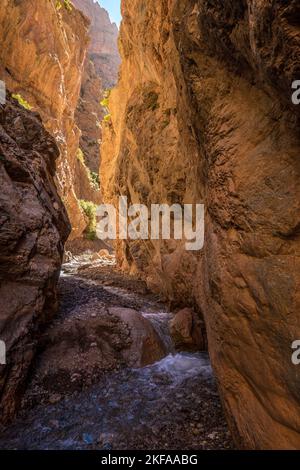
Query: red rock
[[43, 63], [33, 229], [146, 347], [203, 113], [100, 73], [103, 48], [187, 331]]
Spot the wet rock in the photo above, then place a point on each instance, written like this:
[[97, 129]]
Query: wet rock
[[146, 347], [77, 350], [127, 410], [188, 331], [88, 338], [95, 257], [88, 438], [80, 246], [67, 256]]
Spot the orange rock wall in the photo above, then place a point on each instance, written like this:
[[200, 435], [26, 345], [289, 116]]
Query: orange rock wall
[[203, 113], [42, 55]]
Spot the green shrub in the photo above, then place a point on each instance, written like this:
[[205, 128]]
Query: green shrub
[[80, 156], [107, 118], [151, 101], [21, 101], [89, 209], [67, 4], [105, 101], [94, 179], [92, 175]]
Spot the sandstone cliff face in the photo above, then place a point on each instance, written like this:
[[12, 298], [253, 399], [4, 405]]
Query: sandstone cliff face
[[33, 228], [203, 113], [41, 58], [89, 115], [103, 48], [100, 73]]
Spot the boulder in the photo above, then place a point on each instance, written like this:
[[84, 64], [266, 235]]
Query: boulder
[[146, 347], [187, 331]]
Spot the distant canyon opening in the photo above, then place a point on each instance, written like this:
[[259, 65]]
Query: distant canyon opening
[[143, 344]]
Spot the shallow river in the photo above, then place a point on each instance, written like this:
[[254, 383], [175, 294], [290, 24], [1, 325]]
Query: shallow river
[[172, 404]]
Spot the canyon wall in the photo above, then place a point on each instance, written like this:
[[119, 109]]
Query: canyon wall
[[43, 49], [203, 113], [100, 73], [44, 64], [33, 228], [103, 47]]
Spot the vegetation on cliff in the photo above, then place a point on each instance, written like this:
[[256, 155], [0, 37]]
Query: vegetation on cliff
[[21, 100], [89, 209]]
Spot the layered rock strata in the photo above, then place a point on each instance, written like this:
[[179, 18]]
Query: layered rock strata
[[33, 228], [43, 49], [100, 74]]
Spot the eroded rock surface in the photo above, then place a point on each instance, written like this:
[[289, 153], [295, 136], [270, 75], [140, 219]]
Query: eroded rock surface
[[100, 74], [42, 54], [203, 113], [188, 331], [33, 228], [89, 115], [103, 48], [146, 347]]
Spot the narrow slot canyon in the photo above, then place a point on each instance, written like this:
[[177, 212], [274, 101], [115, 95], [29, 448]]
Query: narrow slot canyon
[[141, 343]]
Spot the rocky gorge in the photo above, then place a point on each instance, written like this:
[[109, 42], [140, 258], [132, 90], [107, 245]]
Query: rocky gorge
[[50, 64], [201, 113], [45, 66]]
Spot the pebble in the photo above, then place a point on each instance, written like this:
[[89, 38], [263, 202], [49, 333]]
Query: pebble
[[55, 398], [88, 438]]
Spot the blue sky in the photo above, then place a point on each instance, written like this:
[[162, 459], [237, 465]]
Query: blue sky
[[113, 7]]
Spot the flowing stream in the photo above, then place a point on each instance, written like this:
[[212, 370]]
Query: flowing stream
[[171, 404]]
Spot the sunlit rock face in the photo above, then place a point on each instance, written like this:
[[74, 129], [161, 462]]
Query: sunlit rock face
[[33, 228], [89, 115], [103, 47], [100, 74], [203, 113], [42, 54]]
